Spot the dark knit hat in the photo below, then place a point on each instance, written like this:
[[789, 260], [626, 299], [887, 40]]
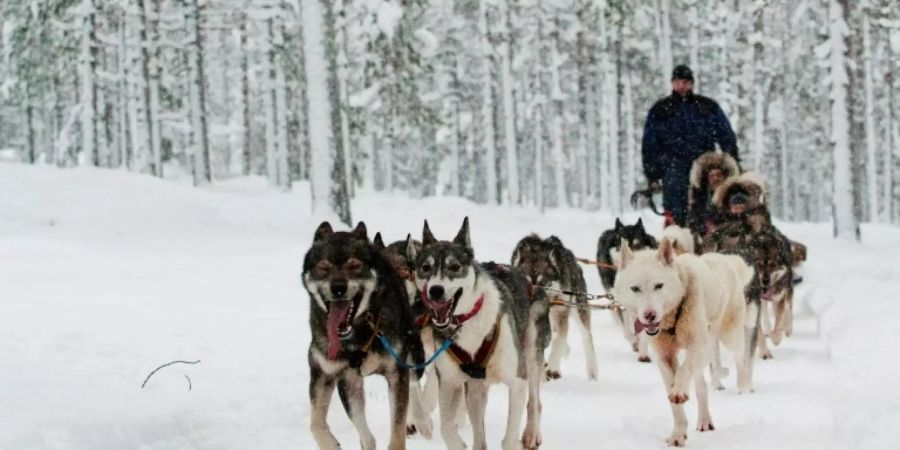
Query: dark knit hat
[[682, 72]]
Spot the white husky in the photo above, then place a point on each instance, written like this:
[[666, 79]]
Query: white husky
[[687, 302], [682, 239]]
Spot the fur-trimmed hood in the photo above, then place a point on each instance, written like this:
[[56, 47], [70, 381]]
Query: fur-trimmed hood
[[752, 183], [707, 161]]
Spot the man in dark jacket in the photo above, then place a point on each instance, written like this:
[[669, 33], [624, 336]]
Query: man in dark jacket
[[679, 129]]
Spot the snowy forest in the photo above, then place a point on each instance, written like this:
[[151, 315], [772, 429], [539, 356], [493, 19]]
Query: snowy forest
[[518, 102]]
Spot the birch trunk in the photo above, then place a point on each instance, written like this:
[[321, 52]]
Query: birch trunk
[[269, 106], [871, 137], [245, 98], [281, 125], [88, 89], [323, 93], [151, 89], [487, 107], [202, 166], [758, 92], [845, 222], [509, 116]]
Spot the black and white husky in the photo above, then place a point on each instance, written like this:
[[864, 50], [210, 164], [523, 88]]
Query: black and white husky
[[548, 263], [354, 295], [608, 253], [494, 338]]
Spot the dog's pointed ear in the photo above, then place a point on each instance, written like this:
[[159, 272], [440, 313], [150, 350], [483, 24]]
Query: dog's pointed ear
[[427, 237], [323, 231], [640, 224], [666, 252], [619, 225], [625, 254], [378, 242], [411, 253], [360, 231], [516, 256], [463, 238]]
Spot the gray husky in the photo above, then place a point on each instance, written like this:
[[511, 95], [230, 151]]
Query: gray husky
[[496, 334], [548, 263], [353, 291]]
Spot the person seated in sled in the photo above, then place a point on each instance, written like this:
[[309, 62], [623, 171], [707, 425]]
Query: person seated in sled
[[678, 130], [708, 172]]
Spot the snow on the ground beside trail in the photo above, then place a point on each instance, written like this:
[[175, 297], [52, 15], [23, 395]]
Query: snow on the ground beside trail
[[105, 275]]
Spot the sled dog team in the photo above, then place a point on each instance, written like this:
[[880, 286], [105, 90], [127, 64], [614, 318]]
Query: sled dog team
[[442, 328]]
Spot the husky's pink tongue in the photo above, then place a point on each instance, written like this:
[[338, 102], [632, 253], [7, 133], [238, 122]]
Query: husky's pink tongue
[[767, 294], [641, 326], [337, 313], [441, 309]]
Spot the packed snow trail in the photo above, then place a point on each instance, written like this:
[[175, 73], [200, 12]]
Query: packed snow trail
[[106, 275]]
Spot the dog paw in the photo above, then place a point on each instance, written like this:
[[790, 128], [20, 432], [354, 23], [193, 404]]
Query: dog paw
[[676, 440], [678, 396], [717, 385], [766, 355], [705, 425], [551, 375], [777, 336], [644, 358], [511, 444], [424, 428], [531, 439]]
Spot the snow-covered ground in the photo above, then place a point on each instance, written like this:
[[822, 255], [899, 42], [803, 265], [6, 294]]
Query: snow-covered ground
[[105, 275]]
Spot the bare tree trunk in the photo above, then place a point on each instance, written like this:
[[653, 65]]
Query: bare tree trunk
[[280, 90], [664, 34], [695, 26], [202, 165], [630, 139], [509, 113], [892, 140], [329, 187], [557, 128], [150, 74], [615, 93], [30, 154], [88, 90], [846, 225], [871, 136], [759, 130], [487, 107], [269, 106], [124, 135], [245, 98], [586, 74], [342, 80]]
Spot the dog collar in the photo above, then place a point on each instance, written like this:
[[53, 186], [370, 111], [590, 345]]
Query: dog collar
[[671, 330]]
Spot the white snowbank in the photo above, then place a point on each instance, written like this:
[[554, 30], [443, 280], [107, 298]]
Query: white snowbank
[[105, 275]]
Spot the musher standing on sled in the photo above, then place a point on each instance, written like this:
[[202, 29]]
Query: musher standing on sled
[[680, 128]]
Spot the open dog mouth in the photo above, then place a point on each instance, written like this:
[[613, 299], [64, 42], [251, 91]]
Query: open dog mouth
[[441, 310], [340, 323], [651, 328]]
